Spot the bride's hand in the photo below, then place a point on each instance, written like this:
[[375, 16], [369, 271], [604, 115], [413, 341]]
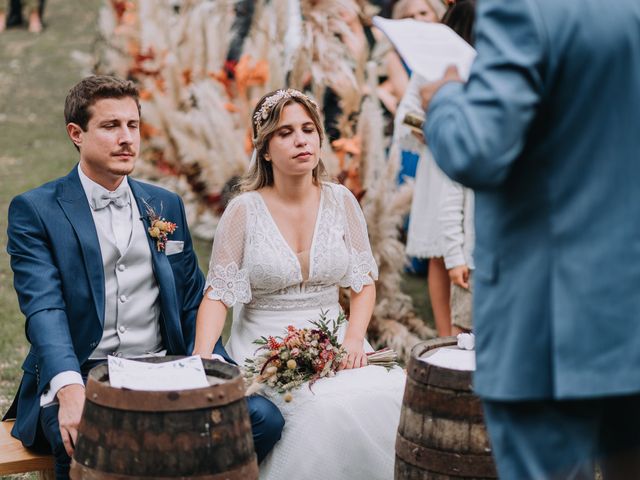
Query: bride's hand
[[355, 357]]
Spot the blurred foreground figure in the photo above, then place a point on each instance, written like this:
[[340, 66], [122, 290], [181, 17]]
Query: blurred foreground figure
[[544, 131]]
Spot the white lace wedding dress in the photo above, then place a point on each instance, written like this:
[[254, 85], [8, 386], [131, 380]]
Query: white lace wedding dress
[[346, 427]]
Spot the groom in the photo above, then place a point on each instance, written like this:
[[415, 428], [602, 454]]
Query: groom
[[92, 281]]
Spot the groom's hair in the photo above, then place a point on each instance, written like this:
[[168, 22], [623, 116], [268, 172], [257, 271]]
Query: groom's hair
[[91, 89]]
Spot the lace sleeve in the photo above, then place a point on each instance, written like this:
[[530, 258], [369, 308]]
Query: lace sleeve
[[227, 281], [362, 266]]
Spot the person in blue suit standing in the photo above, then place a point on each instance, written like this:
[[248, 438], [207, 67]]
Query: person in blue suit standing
[[100, 270], [546, 133]]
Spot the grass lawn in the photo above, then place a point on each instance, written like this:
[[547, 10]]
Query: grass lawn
[[36, 71]]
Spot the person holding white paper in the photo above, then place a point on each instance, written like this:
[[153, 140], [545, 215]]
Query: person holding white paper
[[545, 132]]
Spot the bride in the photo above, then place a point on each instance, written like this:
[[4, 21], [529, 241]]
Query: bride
[[282, 249]]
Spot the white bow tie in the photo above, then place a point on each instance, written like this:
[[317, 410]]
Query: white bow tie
[[101, 199]]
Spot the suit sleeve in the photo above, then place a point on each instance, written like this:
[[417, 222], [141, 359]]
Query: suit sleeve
[[476, 131], [37, 282], [193, 287]]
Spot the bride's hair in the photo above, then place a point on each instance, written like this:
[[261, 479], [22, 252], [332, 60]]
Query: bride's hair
[[265, 119]]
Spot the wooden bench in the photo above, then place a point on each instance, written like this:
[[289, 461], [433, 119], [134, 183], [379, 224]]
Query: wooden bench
[[14, 458]]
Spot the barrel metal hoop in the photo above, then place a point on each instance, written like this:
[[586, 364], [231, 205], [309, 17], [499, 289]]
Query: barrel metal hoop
[[445, 463], [248, 471], [442, 403], [423, 372], [100, 392]]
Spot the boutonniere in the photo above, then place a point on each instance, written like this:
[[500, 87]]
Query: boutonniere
[[160, 228]]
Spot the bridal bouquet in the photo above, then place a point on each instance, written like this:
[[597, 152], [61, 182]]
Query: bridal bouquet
[[302, 355]]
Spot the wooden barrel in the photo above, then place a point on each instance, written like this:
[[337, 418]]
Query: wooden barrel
[[203, 433], [441, 433]]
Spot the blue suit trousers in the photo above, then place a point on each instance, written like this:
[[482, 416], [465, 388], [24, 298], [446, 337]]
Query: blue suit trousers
[[565, 439]]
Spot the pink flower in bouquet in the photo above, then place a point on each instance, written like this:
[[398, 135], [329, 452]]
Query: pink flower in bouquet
[[273, 344]]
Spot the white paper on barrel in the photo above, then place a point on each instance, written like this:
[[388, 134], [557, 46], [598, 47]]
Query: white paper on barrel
[[183, 374], [452, 358], [428, 48]]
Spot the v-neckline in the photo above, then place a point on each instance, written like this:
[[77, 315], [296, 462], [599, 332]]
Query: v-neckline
[[284, 240]]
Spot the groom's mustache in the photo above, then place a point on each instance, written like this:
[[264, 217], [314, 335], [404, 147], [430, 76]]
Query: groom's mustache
[[125, 151]]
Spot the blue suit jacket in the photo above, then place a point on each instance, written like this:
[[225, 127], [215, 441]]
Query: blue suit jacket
[[547, 133], [59, 278]]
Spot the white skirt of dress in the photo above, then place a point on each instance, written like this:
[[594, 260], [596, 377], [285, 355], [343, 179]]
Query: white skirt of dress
[[424, 236], [344, 427]]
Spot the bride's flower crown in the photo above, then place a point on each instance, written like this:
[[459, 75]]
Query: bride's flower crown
[[265, 109]]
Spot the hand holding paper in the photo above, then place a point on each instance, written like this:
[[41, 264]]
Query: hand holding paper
[[429, 89]]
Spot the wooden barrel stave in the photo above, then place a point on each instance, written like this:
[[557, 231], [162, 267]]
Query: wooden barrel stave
[[130, 433], [445, 402], [452, 463]]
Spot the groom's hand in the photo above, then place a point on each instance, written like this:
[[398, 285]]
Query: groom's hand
[[355, 357], [428, 90], [71, 400]]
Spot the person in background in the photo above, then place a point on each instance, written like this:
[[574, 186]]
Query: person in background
[[425, 235], [457, 205], [33, 9]]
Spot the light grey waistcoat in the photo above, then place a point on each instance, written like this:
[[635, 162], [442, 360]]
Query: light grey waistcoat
[[132, 309]]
